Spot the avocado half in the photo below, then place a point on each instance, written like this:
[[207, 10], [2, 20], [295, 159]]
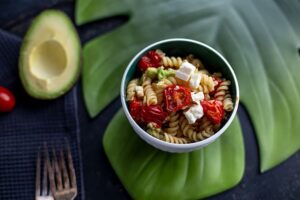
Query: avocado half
[[50, 56]]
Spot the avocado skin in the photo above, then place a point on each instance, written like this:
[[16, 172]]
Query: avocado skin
[[46, 95]]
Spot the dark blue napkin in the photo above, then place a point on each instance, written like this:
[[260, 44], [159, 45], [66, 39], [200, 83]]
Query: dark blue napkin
[[33, 122]]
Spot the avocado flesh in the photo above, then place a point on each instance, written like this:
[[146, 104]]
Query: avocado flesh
[[49, 62]]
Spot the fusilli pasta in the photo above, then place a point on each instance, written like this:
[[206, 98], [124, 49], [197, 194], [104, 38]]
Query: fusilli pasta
[[131, 89], [173, 127], [155, 132], [187, 130], [150, 96], [205, 134], [227, 102], [173, 62], [207, 84], [221, 90], [174, 139], [205, 124]]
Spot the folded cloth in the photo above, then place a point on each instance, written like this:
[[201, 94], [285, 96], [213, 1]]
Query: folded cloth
[[33, 122]]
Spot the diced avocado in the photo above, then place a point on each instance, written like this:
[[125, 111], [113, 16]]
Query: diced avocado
[[162, 73], [50, 56], [159, 73], [151, 72]]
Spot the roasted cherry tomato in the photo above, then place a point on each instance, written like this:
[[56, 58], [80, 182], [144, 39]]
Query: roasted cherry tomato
[[144, 63], [155, 58], [143, 114], [177, 97], [135, 109], [213, 110], [153, 113], [151, 59], [7, 100]]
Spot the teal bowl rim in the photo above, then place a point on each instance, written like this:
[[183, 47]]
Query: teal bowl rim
[[166, 145]]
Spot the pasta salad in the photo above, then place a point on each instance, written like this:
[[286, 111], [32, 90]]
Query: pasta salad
[[176, 99]]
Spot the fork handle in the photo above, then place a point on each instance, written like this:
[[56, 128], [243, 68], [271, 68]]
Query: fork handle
[[45, 198]]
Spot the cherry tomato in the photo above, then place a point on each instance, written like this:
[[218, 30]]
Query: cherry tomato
[[7, 100], [151, 59], [135, 109], [144, 114], [153, 113], [144, 63], [155, 57], [213, 109], [177, 97]]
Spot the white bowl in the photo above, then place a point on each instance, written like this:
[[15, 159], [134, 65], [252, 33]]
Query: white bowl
[[183, 46]]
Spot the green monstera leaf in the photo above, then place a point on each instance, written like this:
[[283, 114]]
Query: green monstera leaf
[[148, 173], [259, 38]]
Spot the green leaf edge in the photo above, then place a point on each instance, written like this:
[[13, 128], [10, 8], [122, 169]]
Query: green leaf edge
[[120, 114]]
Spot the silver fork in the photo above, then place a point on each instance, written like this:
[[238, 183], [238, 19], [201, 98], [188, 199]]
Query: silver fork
[[45, 194], [62, 176]]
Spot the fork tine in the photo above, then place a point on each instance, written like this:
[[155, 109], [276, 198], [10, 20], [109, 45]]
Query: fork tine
[[71, 166], [64, 170], [50, 169], [57, 172], [38, 175], [44, 182]]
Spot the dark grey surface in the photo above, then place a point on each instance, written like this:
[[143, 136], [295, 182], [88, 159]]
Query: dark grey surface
[[32, 122], [282, 182]]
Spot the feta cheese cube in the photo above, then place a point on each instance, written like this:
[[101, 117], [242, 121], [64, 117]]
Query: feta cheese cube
[[187, 68], [139, 91], [195, 80], [193, 113], [185, 71], [190, 117], [182, 76], [197, 97], [197, 111]]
